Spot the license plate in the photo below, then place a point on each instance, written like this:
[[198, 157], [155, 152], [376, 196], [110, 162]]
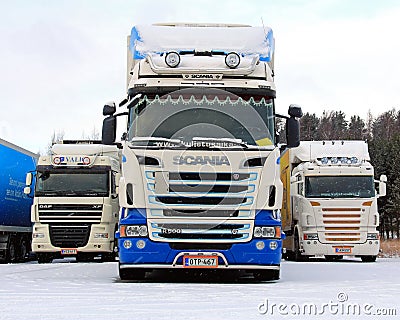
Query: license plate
[[200, 262], [343, 250], [69, 251]]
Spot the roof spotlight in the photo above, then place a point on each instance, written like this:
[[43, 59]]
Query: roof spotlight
[[232, 60], [172, 59]]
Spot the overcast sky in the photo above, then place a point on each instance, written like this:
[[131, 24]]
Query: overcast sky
[[60, 61]]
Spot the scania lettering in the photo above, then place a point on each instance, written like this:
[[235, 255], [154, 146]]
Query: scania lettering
[[330, 203], [75, 209], [200, 186], [191, 160]]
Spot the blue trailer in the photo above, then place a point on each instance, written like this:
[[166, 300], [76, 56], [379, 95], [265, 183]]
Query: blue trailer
[[15, 206]]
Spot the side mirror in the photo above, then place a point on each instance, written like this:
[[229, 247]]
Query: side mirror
[[293, 126], [109, 109], [109, 131], [295, 111], [28, 179], [382, 185]]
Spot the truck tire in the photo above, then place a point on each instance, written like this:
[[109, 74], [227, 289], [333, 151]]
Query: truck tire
[[266, 275], [44, 258], [24, 249], [297, 254], [368, 258], [132, 274], [11, 254]]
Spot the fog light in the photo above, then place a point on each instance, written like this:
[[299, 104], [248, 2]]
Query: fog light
[[172, 59], [101, 235], [127, 244], [260, 245], [140, 244], [232, 60], [273, 245], [38, 235]]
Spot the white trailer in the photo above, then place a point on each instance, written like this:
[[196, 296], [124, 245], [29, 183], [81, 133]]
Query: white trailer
[[330, 202], [75, 208]]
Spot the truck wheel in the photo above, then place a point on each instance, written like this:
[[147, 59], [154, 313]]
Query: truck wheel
[[44, 258], [132, 274], [266, 275], [368, 258], [297, 254], [24, 249], [11, 255]]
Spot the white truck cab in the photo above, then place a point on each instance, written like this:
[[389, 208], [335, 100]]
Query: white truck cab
[[330, 203]]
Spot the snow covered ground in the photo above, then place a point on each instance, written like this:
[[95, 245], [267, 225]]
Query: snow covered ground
[[69, 290]]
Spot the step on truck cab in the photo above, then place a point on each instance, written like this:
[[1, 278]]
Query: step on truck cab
[[330, 203], [15, 222], [75, 209], [200, 186]]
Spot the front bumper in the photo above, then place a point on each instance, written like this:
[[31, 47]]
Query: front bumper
[[160, 255], [94, 245], [315, 248]]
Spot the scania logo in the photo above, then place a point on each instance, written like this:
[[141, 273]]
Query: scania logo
[[196, 160], [203, 76]]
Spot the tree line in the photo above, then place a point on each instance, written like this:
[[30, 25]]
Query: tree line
[[383, 136]]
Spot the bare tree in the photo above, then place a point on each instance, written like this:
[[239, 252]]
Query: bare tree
[[55, 137]]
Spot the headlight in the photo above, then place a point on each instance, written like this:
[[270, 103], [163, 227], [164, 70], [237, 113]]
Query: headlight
[[172, 59], [232, 60], [267, 232], [372, 236], [133, 231]]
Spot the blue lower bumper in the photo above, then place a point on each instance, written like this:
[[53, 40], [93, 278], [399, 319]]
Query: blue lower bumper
[[162, 253]]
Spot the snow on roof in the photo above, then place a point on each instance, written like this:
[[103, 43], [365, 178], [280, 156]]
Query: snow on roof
[[223, 38], [311, 150], [85, 149]]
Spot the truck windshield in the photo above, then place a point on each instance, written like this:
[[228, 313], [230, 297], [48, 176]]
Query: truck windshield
[[214, 114], [78, 184], [339, 187]]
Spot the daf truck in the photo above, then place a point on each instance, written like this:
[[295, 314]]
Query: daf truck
[[330, 203], [75, 208], [200, 186], [15, 222]]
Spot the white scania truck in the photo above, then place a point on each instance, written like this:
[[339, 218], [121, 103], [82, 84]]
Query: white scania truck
[[330, 203], [200, 184], [75, 208]]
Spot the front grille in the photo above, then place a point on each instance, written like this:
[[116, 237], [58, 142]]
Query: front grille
[[205, 188], [201, 200], [208, 176], [69, 236], [49, 213], [200, 231], [201, 213], [341, 225]]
